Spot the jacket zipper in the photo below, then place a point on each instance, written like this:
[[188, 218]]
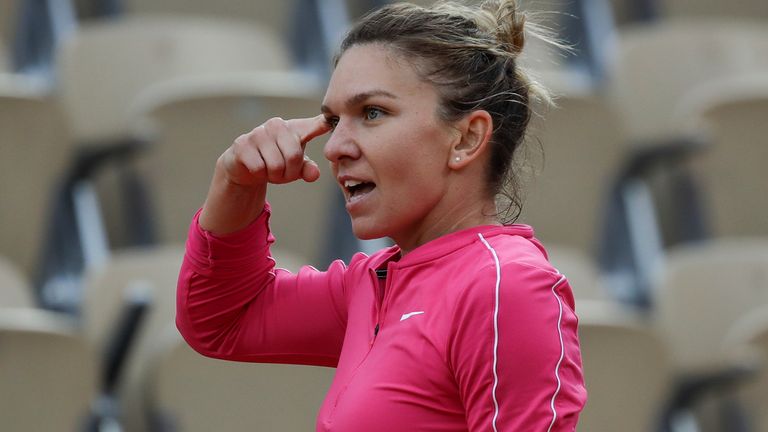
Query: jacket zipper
[[379, 309]]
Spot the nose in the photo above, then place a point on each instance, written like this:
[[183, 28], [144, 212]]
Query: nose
[[342, 144]]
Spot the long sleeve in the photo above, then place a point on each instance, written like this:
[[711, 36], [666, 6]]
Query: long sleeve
[[515, 353], [233, 304]]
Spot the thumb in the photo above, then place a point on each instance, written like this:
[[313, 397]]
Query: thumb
[[310, 172]]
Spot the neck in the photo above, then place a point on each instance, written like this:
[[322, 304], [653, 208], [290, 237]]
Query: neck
[[449, 218]]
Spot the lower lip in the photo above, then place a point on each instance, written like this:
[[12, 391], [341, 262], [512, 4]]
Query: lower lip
[[354, 203]]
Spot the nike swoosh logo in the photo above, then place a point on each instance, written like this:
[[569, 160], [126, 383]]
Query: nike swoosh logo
[[410, 314]]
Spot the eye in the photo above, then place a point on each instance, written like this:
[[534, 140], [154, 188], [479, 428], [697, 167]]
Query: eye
[[332, 122], [373, 113]]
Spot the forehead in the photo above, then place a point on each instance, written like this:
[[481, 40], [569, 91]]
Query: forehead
[[369, 68]]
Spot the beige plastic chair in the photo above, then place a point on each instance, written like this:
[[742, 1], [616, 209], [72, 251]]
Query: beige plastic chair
[[577, 147], [750, 335], [15, 289], [749, 9], [626, 369], [276, 15], [581, 271], [731, 172], [105, 64], [138, 272], [195, 120], [148, 272], [702, 292], [47, 373], [194, 393], [9, 12], [5, 63], [657, 65], [34, 150]]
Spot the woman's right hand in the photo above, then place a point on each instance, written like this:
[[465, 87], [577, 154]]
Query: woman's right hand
[[270, 153], [273, 153]]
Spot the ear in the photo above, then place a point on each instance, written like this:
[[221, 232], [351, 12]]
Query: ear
[[476, 129]]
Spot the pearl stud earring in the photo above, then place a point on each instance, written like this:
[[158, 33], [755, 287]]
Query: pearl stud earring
[[457, 159]]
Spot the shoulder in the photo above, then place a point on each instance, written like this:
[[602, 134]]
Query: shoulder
[[517, 258], [512, 267]]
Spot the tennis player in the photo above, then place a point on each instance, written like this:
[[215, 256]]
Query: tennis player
[[463, 325]]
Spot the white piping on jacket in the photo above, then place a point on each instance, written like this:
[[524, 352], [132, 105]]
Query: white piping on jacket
[[495, 331], [562, 350], [496, 339]]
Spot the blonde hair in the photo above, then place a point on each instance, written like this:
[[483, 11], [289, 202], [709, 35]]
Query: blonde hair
[[469, 53]]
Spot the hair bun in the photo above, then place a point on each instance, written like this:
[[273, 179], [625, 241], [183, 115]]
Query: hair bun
[[510, 24]]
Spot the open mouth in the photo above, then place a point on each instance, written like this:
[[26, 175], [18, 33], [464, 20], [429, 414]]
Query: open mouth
[[357, 189]]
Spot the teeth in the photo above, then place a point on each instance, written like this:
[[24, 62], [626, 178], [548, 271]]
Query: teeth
[[352, 183]]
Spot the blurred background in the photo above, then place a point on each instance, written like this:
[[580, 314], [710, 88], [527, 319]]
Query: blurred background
[[646, 183]]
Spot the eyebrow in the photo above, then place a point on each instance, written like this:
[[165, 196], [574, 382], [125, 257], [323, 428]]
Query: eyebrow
[[359, 98]]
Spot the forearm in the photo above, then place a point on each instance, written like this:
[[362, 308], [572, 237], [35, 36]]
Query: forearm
[[232, 304]]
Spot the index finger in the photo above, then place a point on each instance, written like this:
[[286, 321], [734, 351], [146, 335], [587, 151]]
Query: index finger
[[309, 128]]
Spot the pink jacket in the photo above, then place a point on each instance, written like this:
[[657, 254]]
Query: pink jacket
[[474, 331]]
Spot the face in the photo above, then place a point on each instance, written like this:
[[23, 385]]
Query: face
[[388, 150]]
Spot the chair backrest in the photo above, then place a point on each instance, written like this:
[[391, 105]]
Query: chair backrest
[[48, 374], [626, 369], [9, 13], [15, 289], [106, 288], [276, 15], [657, 64], [703, 290], [104, 64], [731, 172], [185, 390], [196, 120], [749, 336], [34, 150], [578, 148], [147, 269], [581, 271], [5, 62], [749, 9]]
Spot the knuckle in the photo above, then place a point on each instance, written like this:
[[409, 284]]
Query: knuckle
[[240, 141], [294, 157], [276, 168], [274, 125]]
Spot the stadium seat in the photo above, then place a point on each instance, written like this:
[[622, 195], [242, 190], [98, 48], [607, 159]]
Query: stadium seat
[[34, 151], [576, 147], [15, 289], [704, 289], [186, 392], [47, 372], [581, 271], [277, 16], [105, 64], [749, 9], [626, 369], [5, 63], [195, 120], [731, 172], [8, 13], [658, 64], [750, 335], [131, 279]]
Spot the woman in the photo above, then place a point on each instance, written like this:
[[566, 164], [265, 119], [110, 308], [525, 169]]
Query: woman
[[463, 325]]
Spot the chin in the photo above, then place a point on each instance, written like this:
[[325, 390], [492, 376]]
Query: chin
[[367, 231]]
